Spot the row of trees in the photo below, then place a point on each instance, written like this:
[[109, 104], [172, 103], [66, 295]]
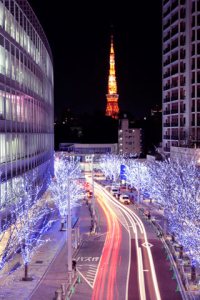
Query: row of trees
[[173, 183], [31, 215]]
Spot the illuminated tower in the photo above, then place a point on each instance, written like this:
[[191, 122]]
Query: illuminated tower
[[112, 108]]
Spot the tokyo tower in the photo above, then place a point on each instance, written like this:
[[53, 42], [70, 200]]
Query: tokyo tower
[[112, 108]]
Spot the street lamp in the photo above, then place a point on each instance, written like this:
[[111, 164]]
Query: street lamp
[[69, 230], [93, 210], [138, 186]]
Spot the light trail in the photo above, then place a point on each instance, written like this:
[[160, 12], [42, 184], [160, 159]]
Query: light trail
[[109, 256], [132, 216]]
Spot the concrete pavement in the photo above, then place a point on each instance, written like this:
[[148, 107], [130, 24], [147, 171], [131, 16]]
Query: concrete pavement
[[48, 266]]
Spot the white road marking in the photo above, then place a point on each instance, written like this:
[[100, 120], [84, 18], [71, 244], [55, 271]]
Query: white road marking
[[85, 278]]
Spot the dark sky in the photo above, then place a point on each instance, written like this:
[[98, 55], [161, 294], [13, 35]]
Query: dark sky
[[79, 36]]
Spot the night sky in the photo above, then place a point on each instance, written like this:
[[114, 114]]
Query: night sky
[[79, 36]]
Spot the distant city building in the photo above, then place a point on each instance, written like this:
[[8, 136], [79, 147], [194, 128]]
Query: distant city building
[[26, 97], [129, 139], [181, 73], [112, 108]]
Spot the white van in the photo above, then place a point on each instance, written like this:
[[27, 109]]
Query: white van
[[114, 191], [124, 199]]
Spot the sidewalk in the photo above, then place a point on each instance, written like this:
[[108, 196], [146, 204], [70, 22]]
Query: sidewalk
[[48, 266]]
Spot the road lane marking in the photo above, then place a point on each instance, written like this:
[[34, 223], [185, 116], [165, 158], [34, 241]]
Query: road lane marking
[[136, 218], [85, 278]]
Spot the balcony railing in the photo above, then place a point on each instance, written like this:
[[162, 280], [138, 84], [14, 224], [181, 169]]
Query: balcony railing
[[167, 137], [166, 50], [174, 5], [165, 2], [166, 87], [174, 124], [174, 18], [174, 137], [166, 75], [174, 84], [174, 71], [166, 149], [174, 31], [167, 62], [166, 25], [166, 13], [166, 37], [174, 58], [166, 124], [166, 100], [174, 111], [166, 112], [174, 97], [174, 45]]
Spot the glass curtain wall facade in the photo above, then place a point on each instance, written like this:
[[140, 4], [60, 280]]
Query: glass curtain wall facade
[[26, 96]]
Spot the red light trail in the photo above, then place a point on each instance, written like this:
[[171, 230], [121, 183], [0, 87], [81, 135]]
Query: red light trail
[[109, 256]]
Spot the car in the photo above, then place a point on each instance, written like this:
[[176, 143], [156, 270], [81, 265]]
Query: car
[[114, 191], [89, 194], [124, 199]]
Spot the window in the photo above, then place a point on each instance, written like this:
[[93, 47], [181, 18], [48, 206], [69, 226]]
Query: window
[[130, 143], [130, 137]]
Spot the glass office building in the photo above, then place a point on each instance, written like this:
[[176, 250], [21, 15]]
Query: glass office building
[[26, 96]]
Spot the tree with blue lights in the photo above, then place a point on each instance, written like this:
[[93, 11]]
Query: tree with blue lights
[[32, 215], [64, 169], [176, 184], [110, 165]]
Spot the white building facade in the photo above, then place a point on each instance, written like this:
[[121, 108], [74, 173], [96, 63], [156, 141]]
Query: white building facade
[[129, 139], [181, 73], [26, 95]]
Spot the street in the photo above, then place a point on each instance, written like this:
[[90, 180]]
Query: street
[[125, 260]]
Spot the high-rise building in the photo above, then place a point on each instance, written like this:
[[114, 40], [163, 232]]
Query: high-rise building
[[26, 97], [129, 139], [181, 73], [112, 108]]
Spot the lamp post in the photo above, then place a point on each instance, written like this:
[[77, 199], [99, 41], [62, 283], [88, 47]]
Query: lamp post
[[69, 230], [69, 235], [138, 186], [93, 211]]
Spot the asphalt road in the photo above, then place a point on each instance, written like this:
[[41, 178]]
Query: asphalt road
[[125, 260]]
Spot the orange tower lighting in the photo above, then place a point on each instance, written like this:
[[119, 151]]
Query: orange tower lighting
[[112, 108]]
